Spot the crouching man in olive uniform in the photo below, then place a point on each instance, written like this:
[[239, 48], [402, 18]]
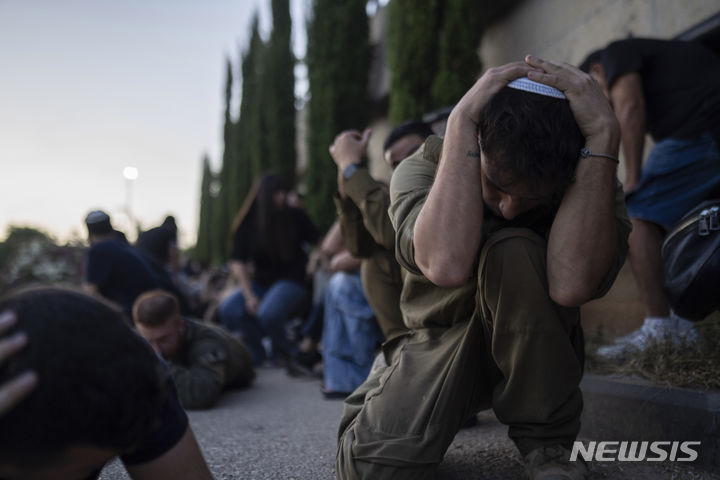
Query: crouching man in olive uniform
[[203, 359], [505, 227]]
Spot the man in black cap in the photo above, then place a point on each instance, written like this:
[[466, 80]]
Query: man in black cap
[[114, 269]]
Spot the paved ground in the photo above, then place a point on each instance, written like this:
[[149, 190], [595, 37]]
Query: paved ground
[[282, 428]]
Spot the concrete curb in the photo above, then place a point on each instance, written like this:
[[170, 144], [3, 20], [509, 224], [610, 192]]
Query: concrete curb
[[618, 408]]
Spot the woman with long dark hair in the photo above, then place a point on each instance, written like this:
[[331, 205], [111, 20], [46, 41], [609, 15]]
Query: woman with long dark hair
[[268, 263]]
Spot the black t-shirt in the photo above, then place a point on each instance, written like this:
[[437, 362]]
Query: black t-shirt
[[119, 272], [171, 426], [681, 83], [269, 268]]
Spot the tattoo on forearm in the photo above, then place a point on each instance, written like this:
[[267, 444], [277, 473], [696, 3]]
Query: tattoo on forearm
[[472, 154]]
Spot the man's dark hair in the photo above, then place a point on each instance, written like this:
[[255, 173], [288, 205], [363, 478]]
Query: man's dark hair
[[99, 383], [531, 138], [407, 128], [153, 308], [593, 57]]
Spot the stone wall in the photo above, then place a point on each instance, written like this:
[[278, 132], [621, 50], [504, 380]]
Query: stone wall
[[566, 30]]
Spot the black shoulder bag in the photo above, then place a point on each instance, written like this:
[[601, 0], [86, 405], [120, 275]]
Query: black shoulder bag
[[691, 253]]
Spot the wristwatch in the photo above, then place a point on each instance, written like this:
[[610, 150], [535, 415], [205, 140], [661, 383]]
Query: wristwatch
[[350, 170]]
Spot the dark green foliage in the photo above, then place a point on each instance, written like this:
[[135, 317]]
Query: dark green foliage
[[252, 108], [458, 61], [432, 54], [246, 142], [412, 56], [220, 227], [31, 256], [338, 57], [250, 125], [432, 58], [203, 248], [222, 208], [279, 105]]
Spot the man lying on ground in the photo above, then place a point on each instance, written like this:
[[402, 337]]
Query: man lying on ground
[[203, 359]]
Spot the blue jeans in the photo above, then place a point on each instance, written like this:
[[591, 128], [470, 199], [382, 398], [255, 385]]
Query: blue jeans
[[350, 334], [279, 303], [677, 175]]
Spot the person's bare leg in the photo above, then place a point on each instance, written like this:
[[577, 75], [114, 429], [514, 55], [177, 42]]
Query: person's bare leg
[[646, 261], [645, 255]]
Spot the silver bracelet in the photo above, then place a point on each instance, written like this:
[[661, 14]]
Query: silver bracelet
[[584, 153]]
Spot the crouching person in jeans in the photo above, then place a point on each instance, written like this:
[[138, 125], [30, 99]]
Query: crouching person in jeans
[[100, 393], [506, 226]]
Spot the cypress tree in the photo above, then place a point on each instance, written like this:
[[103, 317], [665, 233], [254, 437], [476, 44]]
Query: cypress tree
[[255, 95], [338, 57], [412, 56], [248, 142], [219, 227], [223, 201], [458, 60], [203, 249], [279, 79]]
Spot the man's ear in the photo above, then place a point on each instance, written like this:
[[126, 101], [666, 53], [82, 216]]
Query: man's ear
[[181, 324]]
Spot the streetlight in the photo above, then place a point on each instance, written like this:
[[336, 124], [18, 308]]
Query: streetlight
[[130, 174]]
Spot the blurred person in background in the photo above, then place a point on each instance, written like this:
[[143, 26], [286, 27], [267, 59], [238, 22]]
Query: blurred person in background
[[670, 89], [268, 262], [362, 204], [114, 269]]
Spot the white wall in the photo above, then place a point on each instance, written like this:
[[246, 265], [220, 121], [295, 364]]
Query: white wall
[[566, 30]]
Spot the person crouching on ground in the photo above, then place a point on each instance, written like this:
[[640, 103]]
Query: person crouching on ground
[[506, 226]]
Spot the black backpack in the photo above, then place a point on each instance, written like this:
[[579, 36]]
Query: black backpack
[[691, 254]]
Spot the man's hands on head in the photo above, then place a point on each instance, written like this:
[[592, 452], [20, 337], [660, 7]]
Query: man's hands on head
[[591, 108], [13, 391], [448, 229], [475, 99], [349, 147], [582, 245]]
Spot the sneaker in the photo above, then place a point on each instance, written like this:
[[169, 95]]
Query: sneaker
[[684, 330], [675, 330], [553, 463]]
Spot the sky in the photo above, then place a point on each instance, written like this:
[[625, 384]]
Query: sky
[[90, 87]]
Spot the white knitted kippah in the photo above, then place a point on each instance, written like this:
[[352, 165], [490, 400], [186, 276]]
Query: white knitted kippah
[[96, 216], [531, 86]]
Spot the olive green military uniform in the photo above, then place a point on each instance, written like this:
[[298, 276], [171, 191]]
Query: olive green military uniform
[[369, 234], [497, 341], [210, 360]]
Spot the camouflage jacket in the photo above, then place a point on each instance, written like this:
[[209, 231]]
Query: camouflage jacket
[[210, 361]]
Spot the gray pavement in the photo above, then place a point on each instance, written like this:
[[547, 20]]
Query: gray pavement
[[282, 428]]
